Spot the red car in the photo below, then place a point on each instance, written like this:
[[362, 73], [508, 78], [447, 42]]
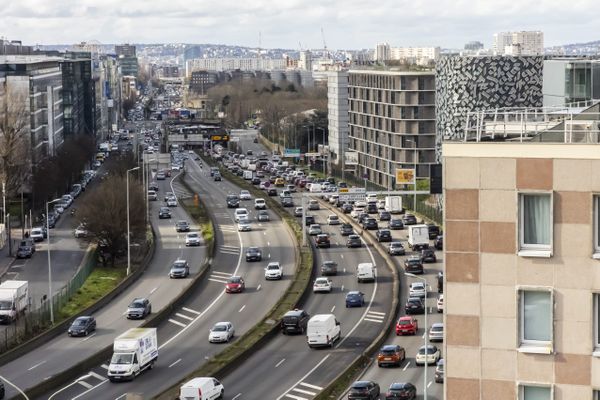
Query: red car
[[235, 284], [407, 325]]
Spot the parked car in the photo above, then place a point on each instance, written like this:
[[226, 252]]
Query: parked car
[[322, 284], [391, 354], [383, 235], [25, 250], [37, 234], [139, 308], [353, 241], [235, 284], [407, 325], [179, 269], [401, 391], [322, 240], [428, 256], [82, 326], [364, 390], [427, 355], [396, 249], [414, 305], [329, 268], [354, 298]]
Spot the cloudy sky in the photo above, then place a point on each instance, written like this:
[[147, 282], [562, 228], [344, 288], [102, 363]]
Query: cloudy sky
[[347, 24]]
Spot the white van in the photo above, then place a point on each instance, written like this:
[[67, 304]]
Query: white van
[[322, 330], [365, 272], [315, 188], [201, 389], [240, 213]]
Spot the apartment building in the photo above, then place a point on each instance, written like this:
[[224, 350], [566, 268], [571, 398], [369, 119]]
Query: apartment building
[[392, 122], [521, 43], [231, 64], [522, 244], [337, 115]]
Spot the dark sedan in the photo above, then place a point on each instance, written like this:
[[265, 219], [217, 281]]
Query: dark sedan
[[438, 243], [413, 265], [353, 241], [272, 192], [395, 224], [414, 305], [364, 390], [82, 326], [322, 240], [428, 256], [329, 268], [346, 229], [385, 216], [401, 391], [253, 254], [182, 226], [384, 235], [409, 219], [24, 252], [370, 224], [346, 208]]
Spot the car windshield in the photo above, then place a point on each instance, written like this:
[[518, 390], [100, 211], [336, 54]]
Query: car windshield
[[388, 351], [192, 235], [219, 328], [437, 328], [322, 281], [353, 296], [430, 350], [5, 305], [404, 322], [136, 304], [119, 358], [80, 322], [272, 266], [234, 280]]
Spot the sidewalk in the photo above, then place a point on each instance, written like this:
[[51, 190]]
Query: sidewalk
[[6, 260]]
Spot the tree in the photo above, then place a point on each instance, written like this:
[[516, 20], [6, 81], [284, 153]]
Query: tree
[[105, 214], [15, 161]]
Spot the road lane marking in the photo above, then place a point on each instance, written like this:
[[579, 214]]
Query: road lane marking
[[373, 320], [104, 366], [341, 255], [176, 322], [406, 366], [280, 362], [332, 308], [268, 244], [89, 337], [153, 290], [85, 384], [429, 384], [377, 312], [217, 280], [97, 376], [226, 274], [175, 363], [258, 287], [190, 310], [304, 377], [304, 391], [342, 288], [242, 309], [311, 386], [36, 365], [236, 396], [184, 316], [291, 396]]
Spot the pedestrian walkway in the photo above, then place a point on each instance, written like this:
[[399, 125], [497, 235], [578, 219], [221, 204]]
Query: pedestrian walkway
[[6, 260]]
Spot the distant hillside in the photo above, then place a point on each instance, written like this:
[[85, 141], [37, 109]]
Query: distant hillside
[[583, 49]]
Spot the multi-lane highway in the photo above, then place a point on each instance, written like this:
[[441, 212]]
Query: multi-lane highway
[[183, 339]]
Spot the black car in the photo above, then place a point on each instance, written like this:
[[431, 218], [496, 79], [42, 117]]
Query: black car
[[438, 243], [294, 321], [322, 240], [414, 305], [370, 224], [82, 326], [233, 201], [1, 390], [395, 224], [428, 256], [253, 254], [440, 282], [164, 212], [364, 390], [384, 235], [310, 219], [353, 241], [346, 208], [439, 371], [434, 231], [372, 208], [409, 219], [217, 177], [272, 192], [385, 216], [401, 391], [413, 265], [182, 226], [346, 229], [255, 180], [329, 268]]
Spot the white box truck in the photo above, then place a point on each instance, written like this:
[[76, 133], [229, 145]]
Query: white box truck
[[322, 330], [14, 299], [133, 352], [247, 175], [393, 204], [201, 389], [418, 237]]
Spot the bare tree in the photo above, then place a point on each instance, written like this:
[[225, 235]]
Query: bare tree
[[14, 139]]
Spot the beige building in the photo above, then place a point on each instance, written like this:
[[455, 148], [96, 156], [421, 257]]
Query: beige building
[[522, 254]]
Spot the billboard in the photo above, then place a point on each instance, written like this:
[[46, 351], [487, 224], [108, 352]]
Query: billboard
[[405, 176], [291, 152], [351, 158]]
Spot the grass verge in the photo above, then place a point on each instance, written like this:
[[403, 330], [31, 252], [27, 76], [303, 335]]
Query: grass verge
[[98, 283], [198, 212], [250, 341]]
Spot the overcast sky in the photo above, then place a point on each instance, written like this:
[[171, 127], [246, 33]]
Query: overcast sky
[[347, 24]]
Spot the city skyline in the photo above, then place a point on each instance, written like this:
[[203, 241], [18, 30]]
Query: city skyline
[[289, 24]]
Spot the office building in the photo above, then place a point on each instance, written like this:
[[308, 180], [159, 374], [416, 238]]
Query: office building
[[392, 122], [78, 93], [523, 43], [201, 81], [382, 52], [128, 60], [14, 47], [570, 80], [338, 115], [522, 284], [125, 50]]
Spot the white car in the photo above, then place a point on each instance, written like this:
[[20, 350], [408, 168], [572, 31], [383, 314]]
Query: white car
[[333, 220], [417, 289], [440, 304], [80, 231], [245, 195], [313, 205], [221, 332], [273, 271], [171, 202], [244, 225], [192, 239], [240, 213], [260, 204], [356, 212], [175, 167], [315, 229], [429, 356], [37, 234], [436, 332], [334, 198], [322, 284]]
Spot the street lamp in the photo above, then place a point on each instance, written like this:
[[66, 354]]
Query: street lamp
[[425, 337], [49, 260], [128, 234], [414, 142], [76, 381]]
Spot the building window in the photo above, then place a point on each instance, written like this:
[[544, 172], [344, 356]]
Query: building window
[[596, 326], [536, 320], [533, 392], [596, 394], [535, 224]]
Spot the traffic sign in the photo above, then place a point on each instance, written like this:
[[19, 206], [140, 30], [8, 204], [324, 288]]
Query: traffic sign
[[352, 190], [352, 197]]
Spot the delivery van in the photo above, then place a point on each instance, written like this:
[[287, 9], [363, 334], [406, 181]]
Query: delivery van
[[133, 352], [322, 330], [365, 272], [201, 389], [418, 237]]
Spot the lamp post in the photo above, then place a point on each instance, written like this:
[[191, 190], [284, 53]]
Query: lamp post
[[49, 260], [414, 142], [425, 337], [128, 233], [76, 381]]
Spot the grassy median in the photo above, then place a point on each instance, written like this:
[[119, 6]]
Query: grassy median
[[98, 283]]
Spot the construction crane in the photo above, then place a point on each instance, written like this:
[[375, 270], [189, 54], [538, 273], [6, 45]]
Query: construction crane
[[324, 44], [259, 55]]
